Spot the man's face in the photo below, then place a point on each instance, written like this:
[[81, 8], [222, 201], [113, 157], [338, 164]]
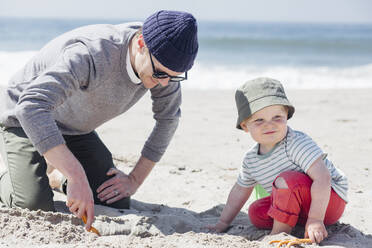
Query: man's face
[[145, 69]]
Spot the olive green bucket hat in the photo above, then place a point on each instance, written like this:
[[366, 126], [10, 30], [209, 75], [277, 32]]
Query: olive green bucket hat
[[257, 94]]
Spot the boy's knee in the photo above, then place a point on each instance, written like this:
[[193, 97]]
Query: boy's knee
[[252, 209], [280, 183], [257, 213], [292, 179]]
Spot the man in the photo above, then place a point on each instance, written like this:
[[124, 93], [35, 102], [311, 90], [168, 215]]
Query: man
[[78, 81]]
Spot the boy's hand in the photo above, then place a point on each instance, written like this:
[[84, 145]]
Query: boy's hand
[[219, 227], [315, 230]]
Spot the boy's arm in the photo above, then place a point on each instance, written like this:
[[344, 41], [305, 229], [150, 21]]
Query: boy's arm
[[236, 200], [320, 194]]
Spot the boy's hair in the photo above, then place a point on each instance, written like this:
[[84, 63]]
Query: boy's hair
[[257, 94]]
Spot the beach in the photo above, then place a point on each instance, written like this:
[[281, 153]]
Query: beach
[[326, 69], [187, 189]]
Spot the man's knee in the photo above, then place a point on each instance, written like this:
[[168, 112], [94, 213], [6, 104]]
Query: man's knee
[[280, 183], [35, 201]]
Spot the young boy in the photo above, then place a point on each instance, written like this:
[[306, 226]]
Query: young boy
[[304, 186]]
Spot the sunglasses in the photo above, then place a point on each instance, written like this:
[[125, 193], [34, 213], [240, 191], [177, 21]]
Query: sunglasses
[[163, 75]]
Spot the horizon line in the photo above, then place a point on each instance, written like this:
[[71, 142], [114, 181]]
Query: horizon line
[[199, 20]]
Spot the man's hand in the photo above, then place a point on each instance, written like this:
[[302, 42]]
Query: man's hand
[[123, 185], [80, 200], [117, 187], [315, 230]]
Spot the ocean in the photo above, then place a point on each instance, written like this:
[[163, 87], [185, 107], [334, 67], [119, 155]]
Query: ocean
[[301, 56]]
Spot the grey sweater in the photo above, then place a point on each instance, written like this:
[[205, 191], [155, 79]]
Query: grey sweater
[[77, 82]]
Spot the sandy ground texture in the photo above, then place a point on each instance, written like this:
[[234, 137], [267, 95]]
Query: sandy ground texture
[[188, 187]]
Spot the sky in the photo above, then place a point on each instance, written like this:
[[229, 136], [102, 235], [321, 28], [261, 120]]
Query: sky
[[313, 11]]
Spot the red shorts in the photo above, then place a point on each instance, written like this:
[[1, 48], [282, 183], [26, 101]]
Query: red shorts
[[292, 205]]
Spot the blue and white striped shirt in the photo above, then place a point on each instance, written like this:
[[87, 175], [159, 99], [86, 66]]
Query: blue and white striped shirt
[[296, 152]]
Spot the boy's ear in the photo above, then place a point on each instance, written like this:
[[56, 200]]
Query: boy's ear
[[244, 126]]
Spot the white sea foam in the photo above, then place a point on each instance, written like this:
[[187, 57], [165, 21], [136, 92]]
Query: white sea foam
[[11, 62], [205, 76], [230, 77]]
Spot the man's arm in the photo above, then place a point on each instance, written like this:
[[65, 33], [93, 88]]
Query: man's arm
[[34, 111], [79, 195], [142, 169], [166, 109], [38, 101]]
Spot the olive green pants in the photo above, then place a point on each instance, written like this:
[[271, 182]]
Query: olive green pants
[[25, 184]]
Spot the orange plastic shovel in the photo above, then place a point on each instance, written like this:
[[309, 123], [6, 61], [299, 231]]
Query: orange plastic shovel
[[92, 229]]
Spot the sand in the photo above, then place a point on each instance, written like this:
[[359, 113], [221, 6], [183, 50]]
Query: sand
[[187, 189]]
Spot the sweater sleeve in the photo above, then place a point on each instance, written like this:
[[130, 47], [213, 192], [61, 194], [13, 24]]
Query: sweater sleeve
[[50, 89], [166, 109]]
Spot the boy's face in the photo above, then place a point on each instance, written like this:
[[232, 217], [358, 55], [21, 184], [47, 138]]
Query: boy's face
[[267, 126]]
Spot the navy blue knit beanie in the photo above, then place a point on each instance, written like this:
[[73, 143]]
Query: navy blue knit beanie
[[171, 37]]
